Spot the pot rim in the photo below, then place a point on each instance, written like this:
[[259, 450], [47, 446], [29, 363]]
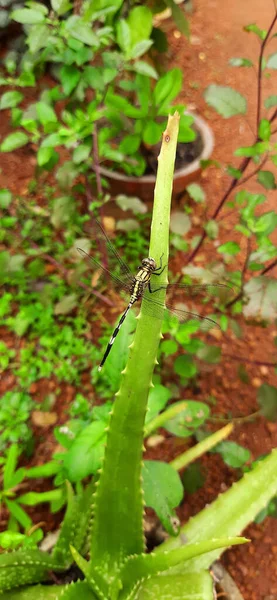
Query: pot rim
[[208, 139]]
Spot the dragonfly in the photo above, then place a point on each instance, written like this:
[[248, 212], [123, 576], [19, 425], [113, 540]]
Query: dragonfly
[[136, 286]]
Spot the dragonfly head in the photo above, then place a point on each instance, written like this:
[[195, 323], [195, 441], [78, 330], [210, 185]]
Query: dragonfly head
[[149, 264]]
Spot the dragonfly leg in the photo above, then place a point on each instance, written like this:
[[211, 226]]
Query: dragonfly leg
[[157, 289], [161, 268]]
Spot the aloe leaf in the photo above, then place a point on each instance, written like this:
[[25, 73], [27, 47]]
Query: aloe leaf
[[25, 566], [74, 528], [142, 566], [117, 531], [231, 512], [77, 591], [36, 592], [192, 586]]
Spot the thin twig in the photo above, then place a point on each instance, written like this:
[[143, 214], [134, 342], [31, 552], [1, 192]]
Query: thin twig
[[238, 420], [258, 168], [260, 68], [269, 267], [260, 363], [243, 273]]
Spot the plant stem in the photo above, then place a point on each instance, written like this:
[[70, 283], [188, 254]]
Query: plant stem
[[243, 272], [237, 420], [260, 68], [199, 449], [166, 415]]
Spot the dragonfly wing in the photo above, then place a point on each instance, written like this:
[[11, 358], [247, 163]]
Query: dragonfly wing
[[91, 261], [168, 312], [183, 290], [124, 273]]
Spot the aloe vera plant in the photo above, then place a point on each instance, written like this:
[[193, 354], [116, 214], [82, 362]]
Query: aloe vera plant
[[111, 552]]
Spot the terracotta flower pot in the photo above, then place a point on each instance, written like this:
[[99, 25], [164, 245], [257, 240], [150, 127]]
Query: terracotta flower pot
[[143, 186]]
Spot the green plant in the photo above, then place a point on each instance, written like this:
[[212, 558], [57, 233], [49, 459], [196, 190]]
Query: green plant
[[15, 411], [118, 566], [95, 67], [11, 479]]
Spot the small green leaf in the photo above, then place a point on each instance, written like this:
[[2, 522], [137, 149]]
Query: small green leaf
[[152, 132], [211, 229], [70, 77], [38, 37], [5, 198], [141, 48], [145, 69], [240, 62], [13, 141], [270, 101], [11, 539], [188, 420], [264, 130], [233, 454], [163, 491], [82, 31], [81, 153], [231, 248], [193, 478], [180, 223], [19, 514], [66, 305], [157, 400], [196, 192], [10, 99], [261, 293], [62, 210], [123, 35], [85, 455], [10, 466], [179, 17], [261, 33], [267, 399], [184, 366], [267, 180], [60, 6], [28, 16], [225, 100], [44, 155], [254, 150], [210, 354], [140, 26], [45, 113], [167, 88], [131, 203], [272, 61]]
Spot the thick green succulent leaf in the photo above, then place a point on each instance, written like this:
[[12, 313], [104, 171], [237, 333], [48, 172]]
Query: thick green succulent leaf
[[75, 525], [36, 592], [192, 586], [77, 591], [230, 513], [141, 567], [25, 566], [117, 531]]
